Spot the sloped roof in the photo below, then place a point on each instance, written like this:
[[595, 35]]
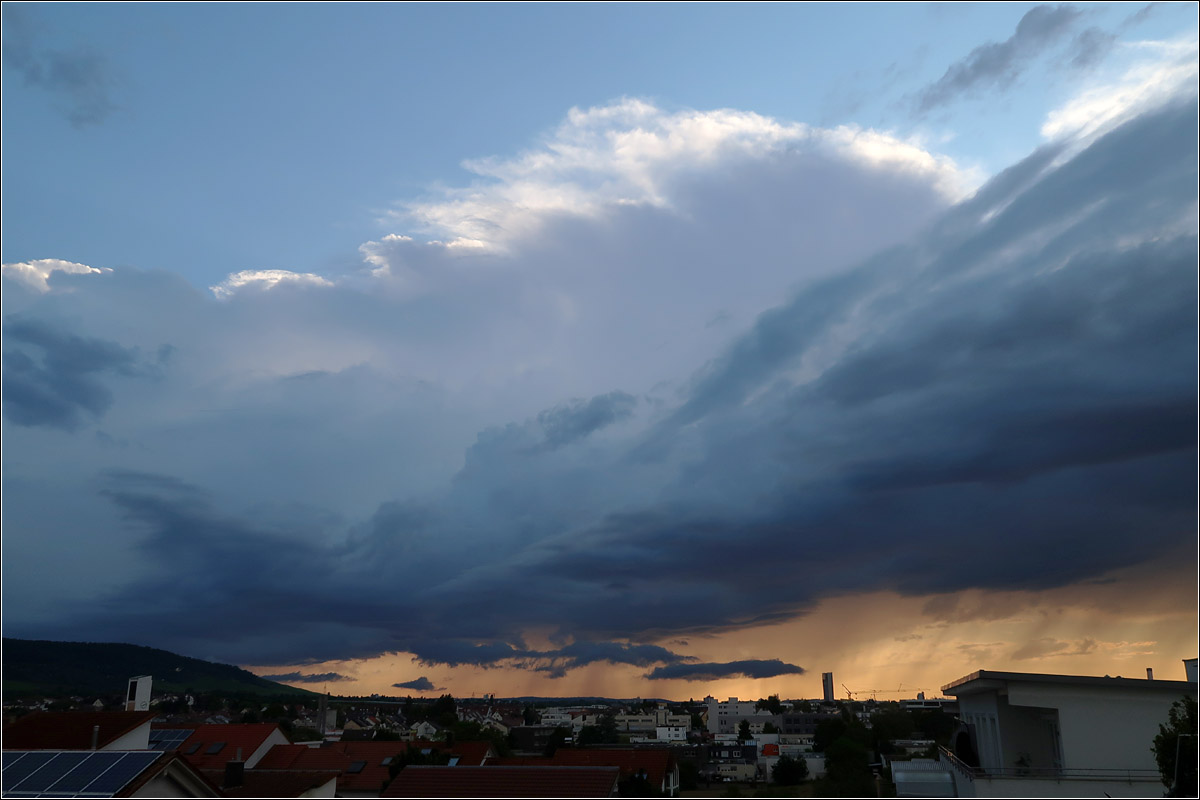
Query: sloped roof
[[71, 730], [521, 761], [97, 773], [246, 736], [471, 754], [272, 782], [656, 763], [375, 773], [298, 756], [419, 781]]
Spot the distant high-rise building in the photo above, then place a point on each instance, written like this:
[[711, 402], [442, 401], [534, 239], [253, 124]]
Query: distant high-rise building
[[827, 686]]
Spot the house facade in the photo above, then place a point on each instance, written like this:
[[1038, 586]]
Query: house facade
[[1029, 735]]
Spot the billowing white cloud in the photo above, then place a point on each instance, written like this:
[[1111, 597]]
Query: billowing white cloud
[[633, 153], [36, 274], [1160, 71], [729, 336], [265, 279]]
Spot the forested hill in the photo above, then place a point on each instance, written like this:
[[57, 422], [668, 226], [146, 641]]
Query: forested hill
[[55, 669]]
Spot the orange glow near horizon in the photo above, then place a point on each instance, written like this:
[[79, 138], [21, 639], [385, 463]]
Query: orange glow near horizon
[[1140, 617]]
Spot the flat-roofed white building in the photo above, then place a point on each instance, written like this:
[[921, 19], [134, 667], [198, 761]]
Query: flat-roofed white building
[[1030, 735]]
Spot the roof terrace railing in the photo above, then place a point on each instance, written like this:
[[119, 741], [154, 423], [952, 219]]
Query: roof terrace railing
[[1047, 773], [957, 764]]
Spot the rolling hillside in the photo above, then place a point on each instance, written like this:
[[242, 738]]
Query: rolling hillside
[[88, 668]]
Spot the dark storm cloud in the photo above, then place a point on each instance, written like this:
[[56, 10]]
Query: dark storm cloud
[[554, 663], [421, 684], [576, 420], [734, 669], [998, 64], [557, 663], [296, 677], [1090, 47], [1046, 647], [1015, 387], [81, 79], [454, 653], [53, 378]]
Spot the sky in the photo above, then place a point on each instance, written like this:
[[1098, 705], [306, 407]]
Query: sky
[[623, 350]]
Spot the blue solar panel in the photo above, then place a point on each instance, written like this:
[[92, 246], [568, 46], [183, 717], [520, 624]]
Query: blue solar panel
[[86, 772], [169, 738], [21, 768], [128, 768], [52, 771], [100, 773]]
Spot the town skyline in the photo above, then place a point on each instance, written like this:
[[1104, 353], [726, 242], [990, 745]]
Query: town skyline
[[449, 347]]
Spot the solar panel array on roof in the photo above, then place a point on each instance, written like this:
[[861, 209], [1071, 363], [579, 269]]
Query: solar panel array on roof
[[168, 738], [90, 773]]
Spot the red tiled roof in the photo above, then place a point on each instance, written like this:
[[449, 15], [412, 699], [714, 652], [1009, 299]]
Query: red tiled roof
[[271, 782], [471, 754], [298, 756], [656, 763], [419, 781], [246, 736], [71, 730], [168, 762], [521, 761], [375, 773]]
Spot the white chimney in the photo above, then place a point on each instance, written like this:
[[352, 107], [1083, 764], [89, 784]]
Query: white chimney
[[138, 697]]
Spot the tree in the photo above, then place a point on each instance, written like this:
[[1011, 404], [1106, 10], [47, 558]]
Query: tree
[[1175, 749], [744, 731], [790, 771], [935, 724], [769, 728], [557, 737], [444, 711], [847, 770], [889, 725], [689, 774], [771, 704], [827, 731], [604, 732], [637, 785], [417, 755]]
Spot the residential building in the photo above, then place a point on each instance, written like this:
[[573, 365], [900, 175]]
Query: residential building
[[214, 746], [656, 765], [827, 687], [504, 781], [80, 730], [947, 705], [922, 777], [671, 733], [364, 767], [274, 782], [101, 773], [1027, 734], [802, 723], [725, 716]]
